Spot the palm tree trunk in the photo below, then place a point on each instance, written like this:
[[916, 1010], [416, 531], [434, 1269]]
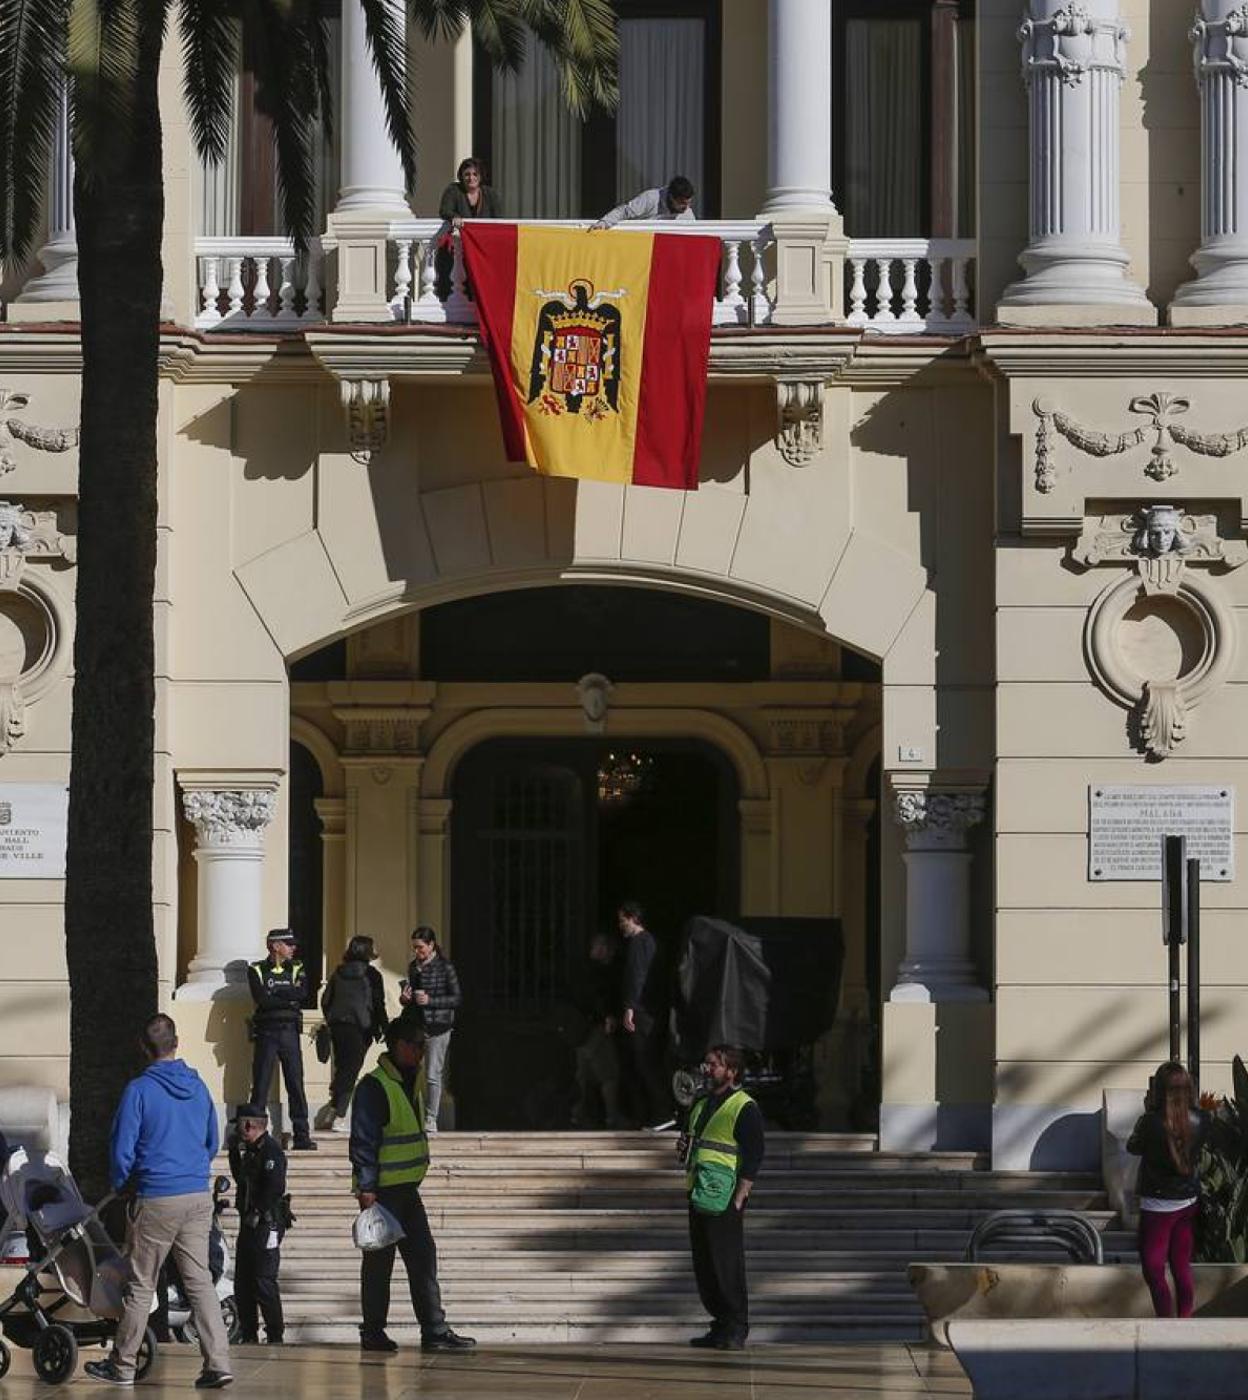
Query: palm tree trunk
[[110, 945]]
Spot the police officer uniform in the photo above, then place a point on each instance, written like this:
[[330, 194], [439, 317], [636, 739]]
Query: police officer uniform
[[279, 994], [725, 1143], [258, 1167], [389, 1157]]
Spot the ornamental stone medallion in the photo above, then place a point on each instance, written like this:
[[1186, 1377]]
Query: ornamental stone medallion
[[34, 622], [1162, 638]]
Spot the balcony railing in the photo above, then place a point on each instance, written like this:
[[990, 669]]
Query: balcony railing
[[257, 283], [910, 286], [427, 288], [893, 286]]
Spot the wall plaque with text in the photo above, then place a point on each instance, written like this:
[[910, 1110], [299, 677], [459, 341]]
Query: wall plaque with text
[[1127, 824], [33, 822]]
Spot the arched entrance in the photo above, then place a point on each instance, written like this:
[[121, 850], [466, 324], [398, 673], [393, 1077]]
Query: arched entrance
[[548, 836]]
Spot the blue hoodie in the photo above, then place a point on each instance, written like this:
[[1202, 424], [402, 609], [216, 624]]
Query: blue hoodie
[[165, 1132]]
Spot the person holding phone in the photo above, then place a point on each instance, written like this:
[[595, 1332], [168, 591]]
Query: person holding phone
[[432, 991], [1167, 1139]]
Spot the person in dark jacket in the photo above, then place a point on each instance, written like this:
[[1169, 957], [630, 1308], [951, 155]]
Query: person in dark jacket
[[354, 1006], [279, 989], [1168, 1138], [258, 1166], [643, 1003], [432, 990], [597, 998], [725, 1136], [468, 196], [389, 1158]]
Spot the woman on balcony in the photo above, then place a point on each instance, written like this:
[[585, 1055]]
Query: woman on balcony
[[468, 196]]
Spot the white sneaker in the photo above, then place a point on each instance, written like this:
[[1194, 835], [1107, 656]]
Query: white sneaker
[[341, 1125], [431, 1129]]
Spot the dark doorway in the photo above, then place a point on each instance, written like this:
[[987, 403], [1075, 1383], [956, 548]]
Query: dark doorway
[[304, 870], [548, 836]]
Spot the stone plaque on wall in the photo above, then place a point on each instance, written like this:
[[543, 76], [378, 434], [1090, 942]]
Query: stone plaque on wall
[[33, 822], [1127, 824]]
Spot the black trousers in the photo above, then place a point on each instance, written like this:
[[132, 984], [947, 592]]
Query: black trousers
[[274, 1044], [420, 1259], [718, 1243], [651, 1090], [350, 1046], [256, 1293]]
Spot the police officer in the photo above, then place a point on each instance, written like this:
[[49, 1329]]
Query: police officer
[[279, 988], [258, 1166], [722, 1149], [389, 1157]]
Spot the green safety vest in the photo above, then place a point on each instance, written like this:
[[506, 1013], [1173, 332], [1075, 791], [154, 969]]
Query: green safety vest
[[404, 1156], [712, 1166]]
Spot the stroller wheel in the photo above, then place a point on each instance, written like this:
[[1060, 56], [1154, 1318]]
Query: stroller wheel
[[145, 1355], [6, 1356], [229, 1314], [55, 1354]]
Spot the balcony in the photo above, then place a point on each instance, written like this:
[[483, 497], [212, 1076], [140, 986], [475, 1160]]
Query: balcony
[[904, 286]]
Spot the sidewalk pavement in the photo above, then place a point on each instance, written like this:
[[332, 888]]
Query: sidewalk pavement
[[864, 1372]]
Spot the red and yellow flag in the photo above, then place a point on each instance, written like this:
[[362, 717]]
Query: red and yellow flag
[[599, 346]]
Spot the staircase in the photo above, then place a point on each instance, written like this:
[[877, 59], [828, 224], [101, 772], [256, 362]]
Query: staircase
[[582, 1237]]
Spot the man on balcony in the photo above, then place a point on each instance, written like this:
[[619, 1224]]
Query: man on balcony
[[674, 202]]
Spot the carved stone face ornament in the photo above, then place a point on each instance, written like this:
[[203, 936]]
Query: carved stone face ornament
[[1161, 639]]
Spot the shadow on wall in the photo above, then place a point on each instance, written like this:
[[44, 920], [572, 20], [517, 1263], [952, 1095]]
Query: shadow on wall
[[1171, 103]]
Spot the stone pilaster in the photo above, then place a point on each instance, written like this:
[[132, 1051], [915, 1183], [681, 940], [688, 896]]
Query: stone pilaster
[[1219, 295], [1074, 63], [229, 827], [53, 294], [937, 966]]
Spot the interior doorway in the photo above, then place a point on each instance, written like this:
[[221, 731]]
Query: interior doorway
[[548, 836]]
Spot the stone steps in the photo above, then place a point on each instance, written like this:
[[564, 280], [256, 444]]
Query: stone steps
[[583, 1237]]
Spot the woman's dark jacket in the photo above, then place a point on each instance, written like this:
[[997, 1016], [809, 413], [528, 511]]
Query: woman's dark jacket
[[355, 995], [1159, 1177], [438, 978], [455, 204]]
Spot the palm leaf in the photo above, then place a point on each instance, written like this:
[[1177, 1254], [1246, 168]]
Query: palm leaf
[[211, 42], [32, 50], [103, 57], [499, 27], [582, 38], [441, 20]]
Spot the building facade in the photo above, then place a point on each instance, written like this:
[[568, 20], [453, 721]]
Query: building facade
[[982, 316]]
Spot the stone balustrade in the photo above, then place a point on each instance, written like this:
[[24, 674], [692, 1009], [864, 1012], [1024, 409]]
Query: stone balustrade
[[910, 286], [257, 283]]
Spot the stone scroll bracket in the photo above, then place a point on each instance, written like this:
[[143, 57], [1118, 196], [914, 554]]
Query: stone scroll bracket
[[799, 410], [366, 404]]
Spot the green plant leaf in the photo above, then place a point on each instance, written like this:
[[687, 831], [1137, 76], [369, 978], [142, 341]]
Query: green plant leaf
[[32, 54]]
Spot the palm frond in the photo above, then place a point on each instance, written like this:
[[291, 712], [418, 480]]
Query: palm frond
[[32, 52], [582, 38], [385, 30], [499, 27], [103, 58], [440, 20], [211, 43]]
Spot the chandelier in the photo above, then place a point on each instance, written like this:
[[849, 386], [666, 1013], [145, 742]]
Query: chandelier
[[621, 776]]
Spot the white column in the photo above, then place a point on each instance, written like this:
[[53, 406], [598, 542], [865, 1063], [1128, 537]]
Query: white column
[[937, 966], [372, 174], [1219, 295], [229, 851], [1074, 59], [59, 255], [799, 106]]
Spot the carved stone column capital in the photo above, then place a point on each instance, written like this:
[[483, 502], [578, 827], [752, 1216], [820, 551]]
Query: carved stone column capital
[[937, 820], [229, 817]]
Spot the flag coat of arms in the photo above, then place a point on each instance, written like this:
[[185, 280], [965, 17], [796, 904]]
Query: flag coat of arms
[[599, 345]]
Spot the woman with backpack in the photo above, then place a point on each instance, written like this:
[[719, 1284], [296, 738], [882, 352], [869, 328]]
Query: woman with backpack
[[1168, 1139], [354, 1007]]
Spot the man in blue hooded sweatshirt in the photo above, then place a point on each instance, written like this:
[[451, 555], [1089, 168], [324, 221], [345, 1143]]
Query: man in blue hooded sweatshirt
[[163, 1142]]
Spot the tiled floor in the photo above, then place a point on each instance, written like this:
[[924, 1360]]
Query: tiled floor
[[544, 1373]]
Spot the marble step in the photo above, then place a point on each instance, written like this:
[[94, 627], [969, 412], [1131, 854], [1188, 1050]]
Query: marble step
[[673, 1282], [649, 1330]]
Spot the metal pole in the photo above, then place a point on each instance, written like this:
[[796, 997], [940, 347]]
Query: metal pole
[[1174, 912], [1193, 972]]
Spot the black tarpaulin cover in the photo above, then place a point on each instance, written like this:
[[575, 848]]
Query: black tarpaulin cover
[[762, 984]]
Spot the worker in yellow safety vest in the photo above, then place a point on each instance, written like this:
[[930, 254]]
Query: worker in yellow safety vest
[[722, 1150], [389, 1157]]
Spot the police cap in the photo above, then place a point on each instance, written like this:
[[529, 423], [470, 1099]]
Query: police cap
[[281, 935]]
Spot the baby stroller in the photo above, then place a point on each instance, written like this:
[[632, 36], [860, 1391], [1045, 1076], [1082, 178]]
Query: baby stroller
[[70, 1290]]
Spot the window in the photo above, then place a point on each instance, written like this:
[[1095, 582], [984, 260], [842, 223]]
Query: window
[[547, 165], [903, 93]]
